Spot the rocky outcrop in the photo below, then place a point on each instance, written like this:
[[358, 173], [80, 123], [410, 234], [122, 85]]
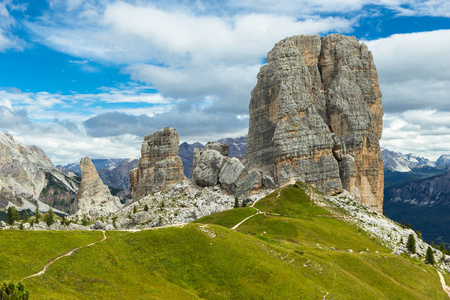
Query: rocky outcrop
[[213, 167], [93, 197], [316, 116], [159, 165], [28, 178]]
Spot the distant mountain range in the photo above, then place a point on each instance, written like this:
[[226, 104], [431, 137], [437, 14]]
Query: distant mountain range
[[417, 191]]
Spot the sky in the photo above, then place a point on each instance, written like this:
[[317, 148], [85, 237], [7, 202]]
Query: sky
[[92, 78]]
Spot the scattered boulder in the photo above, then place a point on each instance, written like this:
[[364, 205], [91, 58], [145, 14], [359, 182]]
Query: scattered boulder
[[232, 171], [141, 217], [98, 225], [159, 165], [2, 224]]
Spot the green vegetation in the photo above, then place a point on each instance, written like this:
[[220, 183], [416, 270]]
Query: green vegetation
[[429, 258], [26, 252], [411, 244], [37, 215], [295, 249], [13, 215], [236, 202], [228, 218], [49, 217], [13, 291]]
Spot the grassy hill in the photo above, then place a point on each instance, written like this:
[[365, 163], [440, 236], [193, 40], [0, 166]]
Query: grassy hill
[[298, 250]]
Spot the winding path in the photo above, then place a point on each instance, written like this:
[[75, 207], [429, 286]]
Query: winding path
[[63, 255], [444, 285]]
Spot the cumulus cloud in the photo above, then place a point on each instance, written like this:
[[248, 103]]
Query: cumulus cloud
[[415, 85]]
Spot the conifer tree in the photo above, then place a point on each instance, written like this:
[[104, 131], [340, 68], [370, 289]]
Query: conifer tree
[[411, 244], [37, 215], [244, 204], [236, 202], [25, 216], [146, 207], [13, 215], [429, 259], [442, 247], [49, 217]]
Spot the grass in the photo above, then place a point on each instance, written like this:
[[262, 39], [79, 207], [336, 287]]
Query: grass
[[268, 257], [23, 253], [228, 218]]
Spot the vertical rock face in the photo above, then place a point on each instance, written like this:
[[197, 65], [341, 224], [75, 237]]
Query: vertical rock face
[[94, 197], [159, 164], [316, 116]]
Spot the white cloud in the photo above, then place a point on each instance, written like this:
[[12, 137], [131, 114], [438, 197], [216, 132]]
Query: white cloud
[[8, 41]]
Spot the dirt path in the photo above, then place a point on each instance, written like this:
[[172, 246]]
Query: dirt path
[[239, 224], [63, 255], [444, 285]]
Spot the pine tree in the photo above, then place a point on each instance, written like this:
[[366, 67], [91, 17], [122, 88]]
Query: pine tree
[[37, 215], [442, 247], [49, 217], [146, 207], [236, 202], [134, 209], [411, 244], [26, 216], [13, 215], [244, 204], [429, 259]]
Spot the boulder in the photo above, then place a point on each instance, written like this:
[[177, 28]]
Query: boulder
[[98, 225], [221, 148], [249, 183], [2, 224], [207, 170], [231, 172], [141, 217]]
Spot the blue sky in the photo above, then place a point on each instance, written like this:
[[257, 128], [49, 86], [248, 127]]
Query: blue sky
[[91, 78]]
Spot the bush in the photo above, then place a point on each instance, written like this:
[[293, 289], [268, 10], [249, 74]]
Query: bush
[[411, 244], [429, 258], [84, 221], [146, 207], [244, 203], [13, 291]]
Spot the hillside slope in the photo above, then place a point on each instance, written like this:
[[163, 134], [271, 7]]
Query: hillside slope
[[298, 248]]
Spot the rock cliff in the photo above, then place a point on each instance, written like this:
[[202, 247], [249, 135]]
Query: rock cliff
[[159, 164], [93, 197], [316, 116], [28, 178]]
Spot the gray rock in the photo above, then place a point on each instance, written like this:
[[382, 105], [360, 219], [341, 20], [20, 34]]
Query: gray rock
[[221, 148], [141, 217], [232, 171], [318, 100], [2, 224], [268, 182], [159, 165], [109, 227], [98, 225], [250, 182], [206, 173]]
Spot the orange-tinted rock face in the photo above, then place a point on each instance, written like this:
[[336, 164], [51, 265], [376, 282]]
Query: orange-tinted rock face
[[159, 164], [316, 116]]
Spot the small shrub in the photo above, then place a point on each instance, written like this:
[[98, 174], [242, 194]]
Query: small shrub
[[13, 291], [26, 216], [84, 221], [134, 209], [146, 207]]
